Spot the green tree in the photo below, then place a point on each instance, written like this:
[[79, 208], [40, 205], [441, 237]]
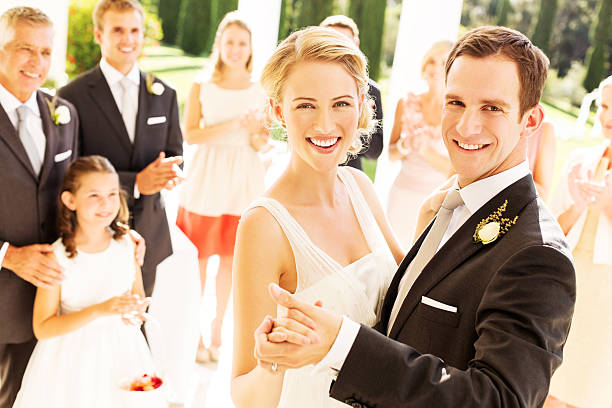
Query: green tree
[[544, 24], [169, 15], [218, 10], [311, 12], [504, 8], [369, 15], [597, 56], [570, 36], [285, 19], [194, 26]]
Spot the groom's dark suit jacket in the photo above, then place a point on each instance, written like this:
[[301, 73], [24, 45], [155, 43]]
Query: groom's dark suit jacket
[[28, 208], [514, 299], [103, 132]]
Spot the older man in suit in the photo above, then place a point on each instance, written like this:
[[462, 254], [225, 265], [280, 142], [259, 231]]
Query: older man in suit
[[38, 136], [132, 119], [480, 308]]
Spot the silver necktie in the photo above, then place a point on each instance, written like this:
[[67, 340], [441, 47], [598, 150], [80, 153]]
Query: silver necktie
[[128, 110], [26, 138], [426, 251]]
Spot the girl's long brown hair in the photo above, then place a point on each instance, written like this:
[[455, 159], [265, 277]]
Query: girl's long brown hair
[[66, 218]]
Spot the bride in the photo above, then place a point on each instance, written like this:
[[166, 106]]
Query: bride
[[319, 230]]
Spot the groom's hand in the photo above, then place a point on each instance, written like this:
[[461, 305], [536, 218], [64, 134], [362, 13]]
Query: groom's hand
[[304, 336]]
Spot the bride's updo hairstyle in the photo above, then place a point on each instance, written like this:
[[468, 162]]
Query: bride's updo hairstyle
[[321, 44]]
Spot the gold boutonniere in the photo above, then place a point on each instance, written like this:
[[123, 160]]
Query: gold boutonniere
[[154, 88], [489, 229], [60, 115]]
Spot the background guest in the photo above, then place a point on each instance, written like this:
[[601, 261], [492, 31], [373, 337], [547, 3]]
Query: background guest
[[416, 140], [373, 147], [224, 117], [583, 202], [132, 119], [35, 150]]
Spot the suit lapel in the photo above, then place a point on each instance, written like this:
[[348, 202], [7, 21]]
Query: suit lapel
[[51, 137], [141, 118], [461, 246], [9, 135], [103, 97]]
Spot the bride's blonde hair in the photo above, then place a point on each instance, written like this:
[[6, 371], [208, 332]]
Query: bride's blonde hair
[[321, 44]]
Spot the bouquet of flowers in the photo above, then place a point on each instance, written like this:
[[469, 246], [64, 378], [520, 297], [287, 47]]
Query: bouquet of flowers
[[145, 382]]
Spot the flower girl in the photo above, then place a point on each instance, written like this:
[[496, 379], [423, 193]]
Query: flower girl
[[88, 326]]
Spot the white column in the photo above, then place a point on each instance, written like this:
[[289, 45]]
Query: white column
[[263, 17], [421, 24], [57, 10]]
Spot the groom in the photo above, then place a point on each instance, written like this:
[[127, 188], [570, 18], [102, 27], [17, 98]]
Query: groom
[[479, 310]]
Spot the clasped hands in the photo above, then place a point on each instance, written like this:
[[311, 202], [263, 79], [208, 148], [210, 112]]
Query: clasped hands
[[302, 335], [163, 173]]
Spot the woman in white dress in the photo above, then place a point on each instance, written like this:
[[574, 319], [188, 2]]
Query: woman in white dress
[[319, 230], [225, 118], [87, 326], [416, 140], [583, 204]]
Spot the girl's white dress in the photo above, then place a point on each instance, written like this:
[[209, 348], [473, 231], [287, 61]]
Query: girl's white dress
[[356, 290], [83, 368]]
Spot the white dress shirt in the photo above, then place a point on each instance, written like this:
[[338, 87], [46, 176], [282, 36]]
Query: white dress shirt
[[113, 79], [474, 196]]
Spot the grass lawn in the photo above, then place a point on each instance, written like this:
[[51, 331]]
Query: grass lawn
[[180, 70]]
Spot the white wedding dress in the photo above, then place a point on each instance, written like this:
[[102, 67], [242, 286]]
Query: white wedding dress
[[356, 290]]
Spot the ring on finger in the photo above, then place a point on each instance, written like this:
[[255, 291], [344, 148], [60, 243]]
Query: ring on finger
[[274, 366]]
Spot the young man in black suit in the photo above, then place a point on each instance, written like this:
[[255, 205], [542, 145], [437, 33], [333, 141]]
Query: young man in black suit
[[132, 119], [374, 146], [38, 139], [480, 308]]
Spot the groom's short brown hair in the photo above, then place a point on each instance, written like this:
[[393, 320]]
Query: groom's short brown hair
[[531, 62]]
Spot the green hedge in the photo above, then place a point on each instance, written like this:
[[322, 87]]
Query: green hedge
[[194, 26], [597, 55], [369, 15], [169, 15]]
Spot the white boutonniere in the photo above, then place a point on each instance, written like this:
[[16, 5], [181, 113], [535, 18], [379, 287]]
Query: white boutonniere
[[60, 115], [154, 88], [489, 229]]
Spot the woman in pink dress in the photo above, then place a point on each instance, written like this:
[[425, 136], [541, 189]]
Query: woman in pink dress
[[224, 117], [416, 140]]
